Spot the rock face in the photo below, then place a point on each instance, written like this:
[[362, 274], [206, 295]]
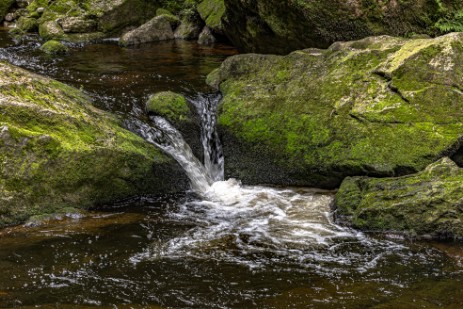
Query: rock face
[[275, 26], [57, 151], [381, 106], [157, 29], [429, 203]]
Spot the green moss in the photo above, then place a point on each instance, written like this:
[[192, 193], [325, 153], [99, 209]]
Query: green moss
[[169, 105], [381, 106], [61, 152], [425, 204], [54, 48], [211, 12]]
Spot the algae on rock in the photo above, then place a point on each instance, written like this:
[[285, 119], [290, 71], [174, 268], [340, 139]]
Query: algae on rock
[[427, 204], [57, 151], [381, 106]]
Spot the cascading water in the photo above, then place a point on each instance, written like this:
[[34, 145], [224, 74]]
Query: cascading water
[[294, 225]]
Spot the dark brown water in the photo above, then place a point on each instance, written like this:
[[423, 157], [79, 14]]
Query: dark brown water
[[250, 247]]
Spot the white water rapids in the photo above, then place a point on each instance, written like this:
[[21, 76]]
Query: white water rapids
[[252, 225]]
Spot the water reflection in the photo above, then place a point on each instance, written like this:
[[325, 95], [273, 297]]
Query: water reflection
[[122, 79]]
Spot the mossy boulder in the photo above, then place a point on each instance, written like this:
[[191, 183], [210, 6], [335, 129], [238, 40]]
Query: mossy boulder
[[275, 26], [157, 29], [381, 106], [427, 204], [54, 48], [57, 151], [25, 24], [212, 11], [170, 105]]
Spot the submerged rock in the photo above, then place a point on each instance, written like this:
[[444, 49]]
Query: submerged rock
[[275, 26], [57, 151], [157, 29], [381, 106], [427, 204]]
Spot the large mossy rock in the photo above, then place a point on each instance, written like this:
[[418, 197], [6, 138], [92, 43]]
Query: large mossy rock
[[381, 106], [429, 203], [57, 151], [275, 26]]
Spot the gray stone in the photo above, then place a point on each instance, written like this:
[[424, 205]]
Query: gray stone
[[206, 37], [77, 25], [157, 29]]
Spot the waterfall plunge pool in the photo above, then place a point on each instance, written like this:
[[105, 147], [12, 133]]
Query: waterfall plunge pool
[[236, 247]]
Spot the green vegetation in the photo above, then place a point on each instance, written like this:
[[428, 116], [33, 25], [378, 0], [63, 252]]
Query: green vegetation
[[379, 106], [170, 105], [54, 48], [57, 151], [425, 204]]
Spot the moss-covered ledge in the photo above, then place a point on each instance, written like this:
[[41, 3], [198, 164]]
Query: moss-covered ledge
[[428, 204], [58, 151]]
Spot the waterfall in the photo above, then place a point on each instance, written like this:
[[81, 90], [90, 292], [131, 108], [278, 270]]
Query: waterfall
[[163, 135]]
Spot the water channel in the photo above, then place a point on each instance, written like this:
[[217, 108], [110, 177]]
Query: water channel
[[221, 245]]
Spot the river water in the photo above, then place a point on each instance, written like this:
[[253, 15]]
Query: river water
[[222, 245]]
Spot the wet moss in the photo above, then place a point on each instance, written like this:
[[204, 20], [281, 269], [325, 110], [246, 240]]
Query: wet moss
[[381, 106], [58, 151], [211, 12], [54, 48], [427, 204]]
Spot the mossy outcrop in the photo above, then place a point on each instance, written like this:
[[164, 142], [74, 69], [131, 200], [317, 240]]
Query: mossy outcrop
[[381, 106], [275, 26], [57, 151], [429, 203]]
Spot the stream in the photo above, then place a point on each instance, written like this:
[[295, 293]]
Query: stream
[[222, 244]]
